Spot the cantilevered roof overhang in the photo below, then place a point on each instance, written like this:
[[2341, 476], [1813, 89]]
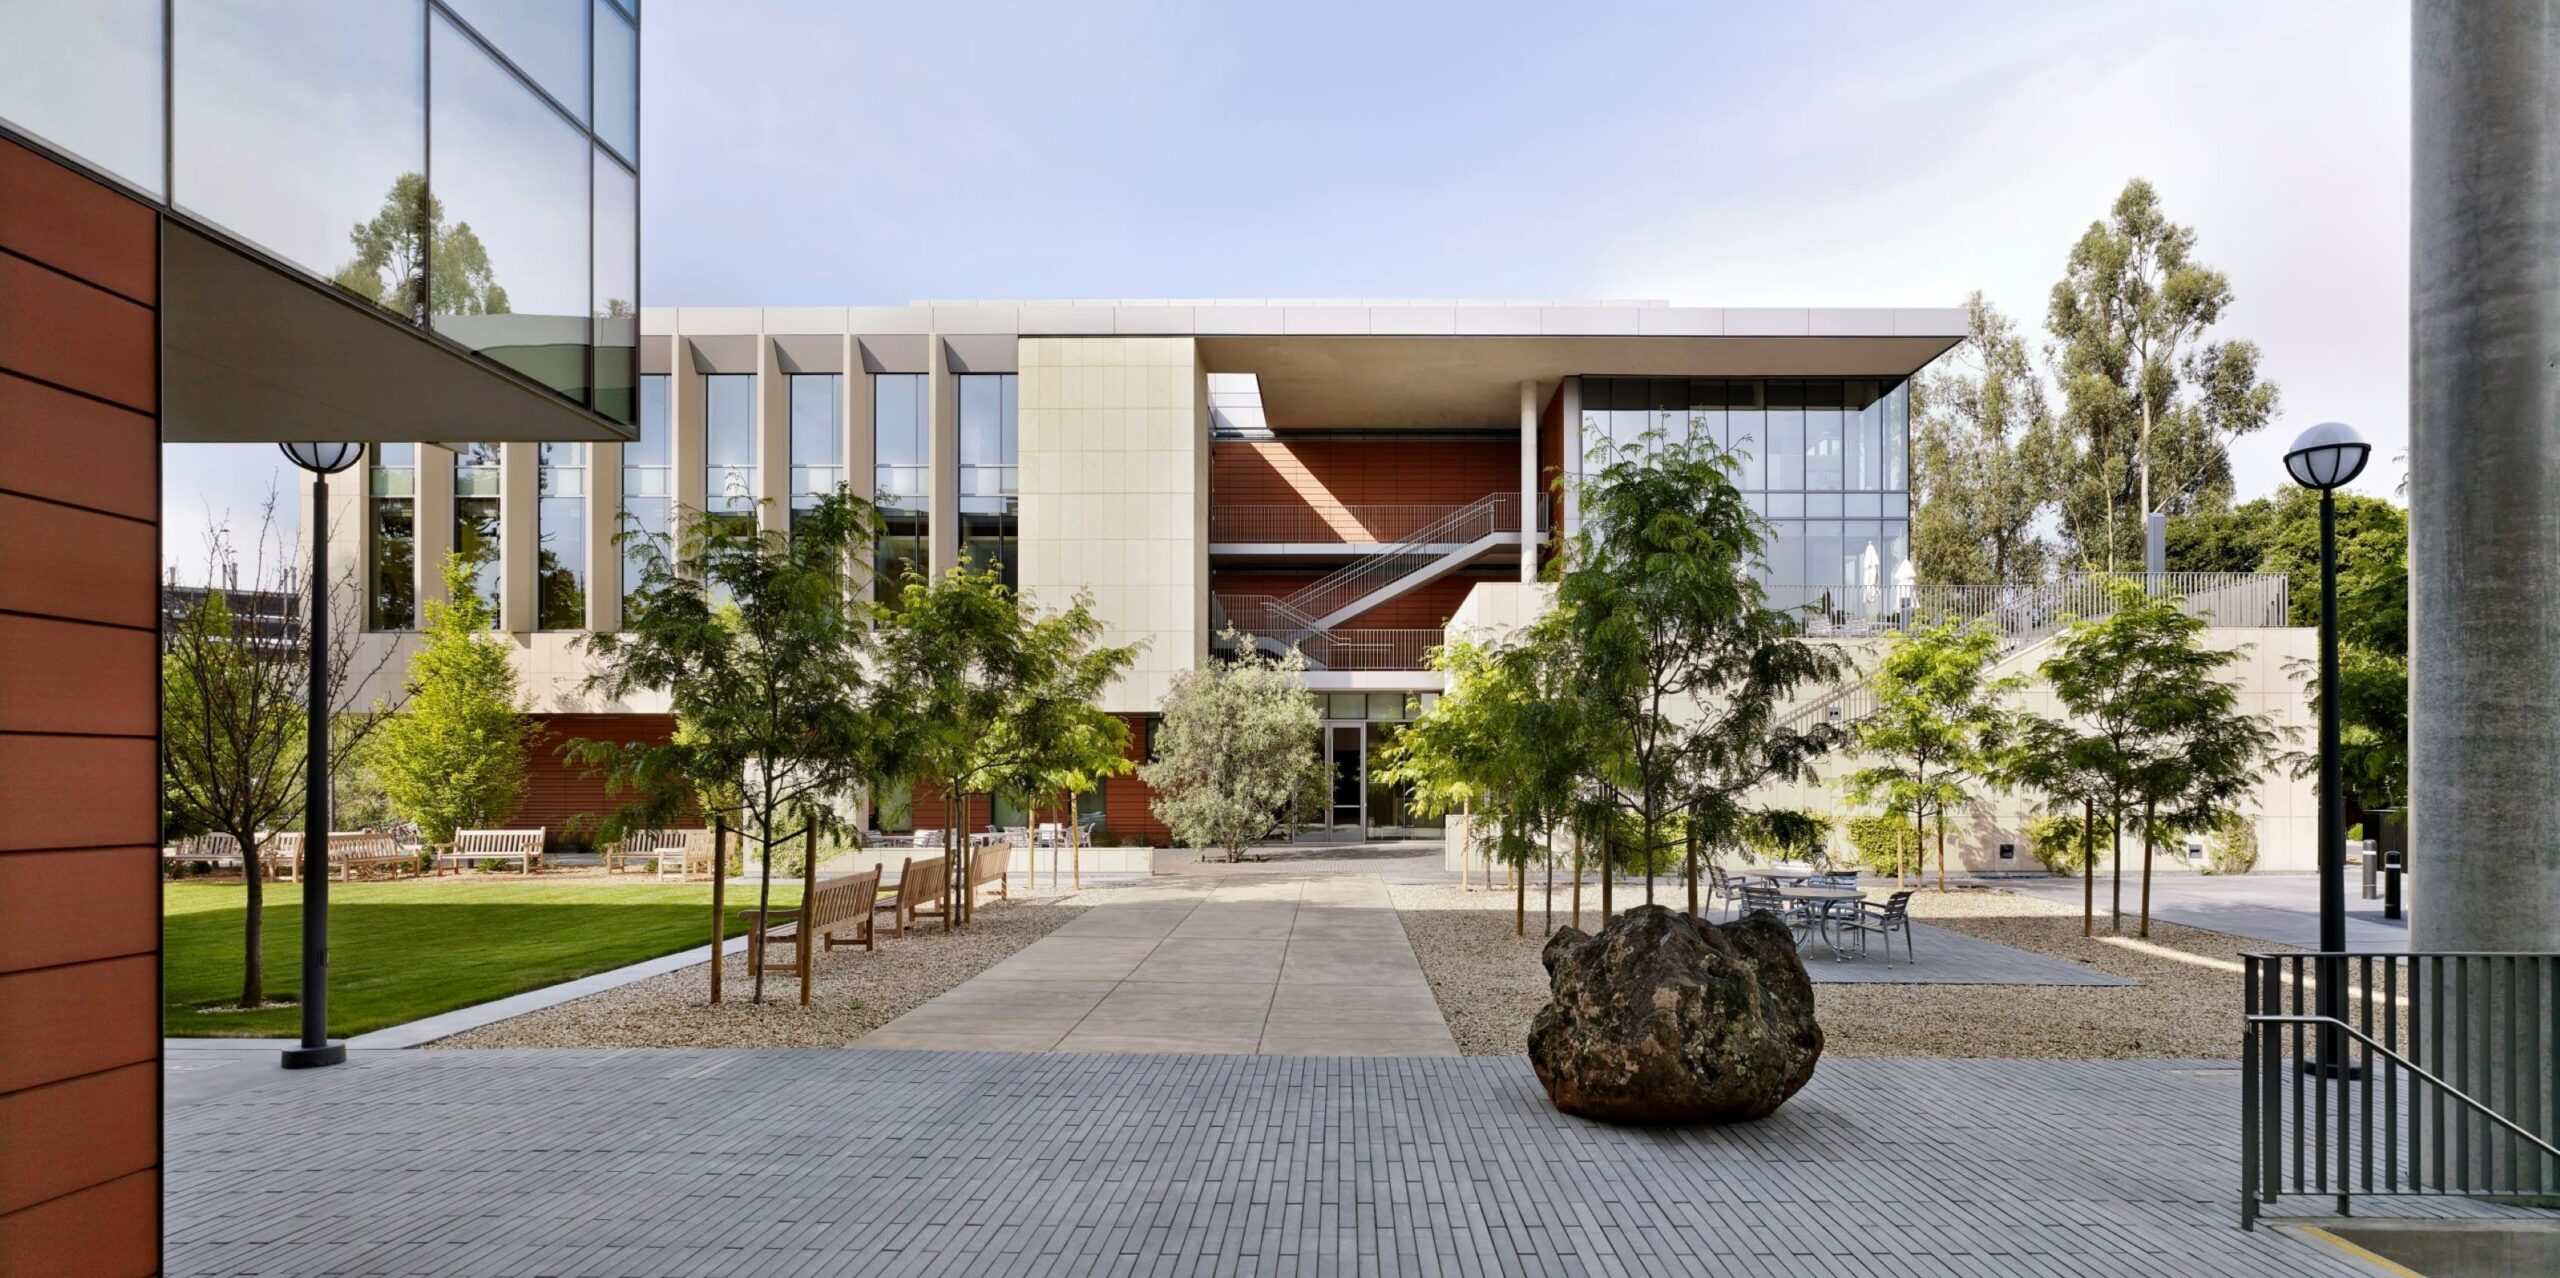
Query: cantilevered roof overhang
[[251, 352]]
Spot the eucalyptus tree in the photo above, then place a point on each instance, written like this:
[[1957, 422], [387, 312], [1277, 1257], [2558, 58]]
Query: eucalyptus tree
[[1235, 761], [998, 696], [2151, 401], [1678, 666], [1936, 732], [768, 660], [1987, 458]]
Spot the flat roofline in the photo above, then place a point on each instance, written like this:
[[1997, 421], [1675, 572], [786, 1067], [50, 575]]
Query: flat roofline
[[1267, 318]]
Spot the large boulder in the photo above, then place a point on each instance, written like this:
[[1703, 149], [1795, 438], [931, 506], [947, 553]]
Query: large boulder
[[1664, 1019]]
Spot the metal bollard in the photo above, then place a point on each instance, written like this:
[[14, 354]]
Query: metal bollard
[[2372, 859], [2391, 870]]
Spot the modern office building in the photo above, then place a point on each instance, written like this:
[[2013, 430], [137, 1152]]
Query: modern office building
[[367, 219]]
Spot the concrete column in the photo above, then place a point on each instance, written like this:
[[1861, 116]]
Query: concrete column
[[1529, 530], [1571, 425], [687, 447], [604, 522], [773, 438], [942, 452], [519, 535], [2484, 470], [435, 523], [861, 440]]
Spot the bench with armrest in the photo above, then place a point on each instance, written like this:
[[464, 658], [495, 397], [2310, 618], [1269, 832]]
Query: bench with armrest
[[211, 849], [349, 851], [470, 847], [991, 863], [640, 845], [840, 911], [682, 854], [922, 880]]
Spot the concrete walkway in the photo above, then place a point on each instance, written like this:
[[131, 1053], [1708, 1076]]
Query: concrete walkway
[[1274, 965], [2281, 909]]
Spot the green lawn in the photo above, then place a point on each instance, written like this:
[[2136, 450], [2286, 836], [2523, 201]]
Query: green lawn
[[408, 948]]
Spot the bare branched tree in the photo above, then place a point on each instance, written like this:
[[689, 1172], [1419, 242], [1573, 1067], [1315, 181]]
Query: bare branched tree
[[233, 696]]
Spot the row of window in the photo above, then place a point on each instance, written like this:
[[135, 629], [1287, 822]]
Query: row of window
[[732, 463], [466, 165], [1813, 435]]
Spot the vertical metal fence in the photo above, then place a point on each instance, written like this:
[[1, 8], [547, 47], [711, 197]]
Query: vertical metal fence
[[2433, 1074]]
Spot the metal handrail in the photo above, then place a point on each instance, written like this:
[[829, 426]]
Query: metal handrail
[[1278, 523], [1495, 513], [2375, 1045]]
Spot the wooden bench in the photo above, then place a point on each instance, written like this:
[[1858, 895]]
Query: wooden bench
[[687, 853], [842, 913], [349, 851], [209, 849], [921, 882], [640, 845], [991, 863], [470, 847]]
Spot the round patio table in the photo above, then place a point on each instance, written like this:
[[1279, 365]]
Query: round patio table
[[1826, 897]]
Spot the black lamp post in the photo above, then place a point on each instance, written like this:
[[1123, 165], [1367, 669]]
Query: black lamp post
[[322, 460], [2325, 458]]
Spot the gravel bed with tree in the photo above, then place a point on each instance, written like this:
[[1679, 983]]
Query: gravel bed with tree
[[1489, 982]]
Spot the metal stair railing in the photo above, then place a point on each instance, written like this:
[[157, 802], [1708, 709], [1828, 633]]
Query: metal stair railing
[[2416, 1074], [1496, 514]]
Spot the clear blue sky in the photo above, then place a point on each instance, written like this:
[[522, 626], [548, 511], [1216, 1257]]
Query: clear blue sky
[[798, 152]]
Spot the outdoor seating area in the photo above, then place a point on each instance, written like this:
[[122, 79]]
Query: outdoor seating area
[[475, 847], [1817, 903]]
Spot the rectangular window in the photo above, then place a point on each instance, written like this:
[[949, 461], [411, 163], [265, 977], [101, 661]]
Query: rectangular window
[[817, 438], [1747, 434], [1897, 437], [1862, 443], [560, 568], [899, 481], [648, 493], [729, 446], [1822, 449], [990, 509], [476, 499], [391, 538], [1706, 412], [1786, 435]]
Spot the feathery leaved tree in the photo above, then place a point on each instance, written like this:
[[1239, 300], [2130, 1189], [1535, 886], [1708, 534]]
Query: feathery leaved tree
[[454, 757], [1938, 727], [232, 717], [2151, 404], [1235, 758], [1987, 458]]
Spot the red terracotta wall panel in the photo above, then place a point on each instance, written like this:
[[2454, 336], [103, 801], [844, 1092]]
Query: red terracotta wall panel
[[62, 676], [1328, 478], [76, 226], [1425, 607], [67, 1136], [66, 562], [57, 329], [106, 1231], [1127, 800], [78, 792], [61, 447], [62, 1022], [559, 796], [115, 893]]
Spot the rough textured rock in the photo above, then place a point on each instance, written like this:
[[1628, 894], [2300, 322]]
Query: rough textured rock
[[1664, 1019]]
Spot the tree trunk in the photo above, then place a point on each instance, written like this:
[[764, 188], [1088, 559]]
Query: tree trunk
[[1608, 874], [2143, 928], [1942, 849], [719, 900], [2088, 867], [1466, 856], [253, 945], [1075, 853], [2115, 852], [953, 818], [1520, 896], [1919, 840], [764, 907], [1693, 865], [1577, 880], [1549, 844], [1651, 842]]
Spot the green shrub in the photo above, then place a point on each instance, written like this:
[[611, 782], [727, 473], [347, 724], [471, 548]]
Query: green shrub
[[2055, 840], [1785, 836], [1878, 842], [2231, 846]]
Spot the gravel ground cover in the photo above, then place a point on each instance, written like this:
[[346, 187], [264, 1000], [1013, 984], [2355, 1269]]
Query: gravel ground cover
[[856, 991], [1490, 984]]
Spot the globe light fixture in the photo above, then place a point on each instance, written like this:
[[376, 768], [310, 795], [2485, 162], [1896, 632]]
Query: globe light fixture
[[2325, 458], [322, 458]]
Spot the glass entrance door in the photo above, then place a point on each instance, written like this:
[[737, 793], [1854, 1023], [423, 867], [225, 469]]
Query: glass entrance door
[[1347, 750]]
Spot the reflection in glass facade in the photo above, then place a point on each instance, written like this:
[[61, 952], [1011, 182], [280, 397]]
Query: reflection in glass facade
[[464, 164], [899, 477], [817, 438], [84, 76], [990, 509], [729, 446], [560, 555], [648, 492], [391, 538], [324, 168], [476, 504], [1824, 460]]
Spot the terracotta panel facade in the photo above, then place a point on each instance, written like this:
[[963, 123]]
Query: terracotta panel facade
[[79, 690], [1425, 607], [1328, 480], [559, 796]]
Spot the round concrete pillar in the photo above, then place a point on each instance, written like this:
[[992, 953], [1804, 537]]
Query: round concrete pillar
[[2484, 476]]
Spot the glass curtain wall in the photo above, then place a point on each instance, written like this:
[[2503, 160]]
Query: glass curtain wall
[[729, 448], [648, 492], [900, 478], [990, 505], [476, 502], [817, 439], [560, 567], [391, 538], [469, 166], [1824, 460]]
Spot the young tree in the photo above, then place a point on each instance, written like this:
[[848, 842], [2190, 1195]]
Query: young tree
[[233, 719], [1986, 459], [1090, 750], [2068, 766], [2151, 404], [999, 696], [1235, 757], [1678, 665], [1937, 730], [766, 657], [455, 758], [391, 261], [2166, 739]]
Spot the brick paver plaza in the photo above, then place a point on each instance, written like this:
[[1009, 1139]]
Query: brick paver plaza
[[882, 1163]]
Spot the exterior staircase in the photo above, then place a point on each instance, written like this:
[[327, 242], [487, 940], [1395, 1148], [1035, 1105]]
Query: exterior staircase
[[1310, 618]]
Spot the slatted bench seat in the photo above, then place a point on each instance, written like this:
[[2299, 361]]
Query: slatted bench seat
[[841, 913], [991, 863], [349, 851], [922, 880], [470, 847], [208, 849]]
